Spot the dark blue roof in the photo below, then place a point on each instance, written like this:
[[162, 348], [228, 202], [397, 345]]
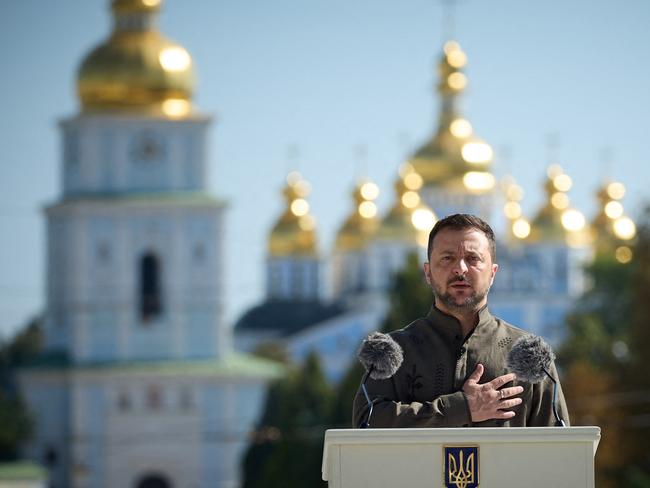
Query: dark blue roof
[[286, 317]]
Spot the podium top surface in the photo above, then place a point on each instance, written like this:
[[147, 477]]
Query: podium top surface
[[470, 434], [364, 444]]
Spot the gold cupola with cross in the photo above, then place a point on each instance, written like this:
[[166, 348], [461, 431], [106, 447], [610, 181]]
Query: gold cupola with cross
[[454, 157], [362, 223], [410, 219], [518, 226], [613, 230], [294, 233], [557, 221]]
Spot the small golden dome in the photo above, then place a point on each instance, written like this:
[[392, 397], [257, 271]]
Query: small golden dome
[[518, 225], [362, 223], [556, 221], [612, 229], [454, 152], [294, 233], [410, 220], [136, 68]]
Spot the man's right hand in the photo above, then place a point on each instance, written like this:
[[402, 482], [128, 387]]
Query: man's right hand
[[489, 400]]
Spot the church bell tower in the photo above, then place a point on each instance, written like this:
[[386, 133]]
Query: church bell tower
[[135, 241]]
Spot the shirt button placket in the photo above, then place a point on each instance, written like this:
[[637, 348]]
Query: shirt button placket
[[461, 367]]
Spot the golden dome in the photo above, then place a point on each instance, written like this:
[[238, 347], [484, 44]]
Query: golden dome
[[409, 220], [612, 229], [362, 223], [556, 221], [454, 152], [136, 68], [518, 225], [294, 233]]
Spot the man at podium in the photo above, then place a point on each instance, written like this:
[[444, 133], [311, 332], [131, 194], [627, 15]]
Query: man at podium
[[454, 371]]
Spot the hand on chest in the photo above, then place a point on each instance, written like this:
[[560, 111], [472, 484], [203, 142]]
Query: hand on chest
[[428, 372]]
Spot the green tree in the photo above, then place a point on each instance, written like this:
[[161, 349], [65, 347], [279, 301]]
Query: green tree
[[635, 378], [341, 417], [287, 448], [15, 423], [604, 357]]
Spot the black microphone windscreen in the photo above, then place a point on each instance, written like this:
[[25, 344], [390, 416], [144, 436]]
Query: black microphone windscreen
[[381, 355], [530, 358]]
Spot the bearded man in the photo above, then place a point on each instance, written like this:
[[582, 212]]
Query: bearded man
[[454, 370]]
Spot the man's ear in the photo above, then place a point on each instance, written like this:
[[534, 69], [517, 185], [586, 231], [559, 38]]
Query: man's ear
[[426, 273], [495, 268]]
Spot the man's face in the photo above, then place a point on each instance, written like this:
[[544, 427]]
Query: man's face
[[460, 270]]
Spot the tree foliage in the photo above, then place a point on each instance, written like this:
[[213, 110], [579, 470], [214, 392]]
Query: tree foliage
[[287, 447], [604, 359], [15, 423]]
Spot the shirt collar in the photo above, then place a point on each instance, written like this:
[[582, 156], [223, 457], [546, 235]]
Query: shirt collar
[[450, 324]]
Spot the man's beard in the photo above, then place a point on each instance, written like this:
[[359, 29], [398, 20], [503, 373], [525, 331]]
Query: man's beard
[[468, 304]]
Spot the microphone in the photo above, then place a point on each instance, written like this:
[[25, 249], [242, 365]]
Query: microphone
[[530, 359], [381, 357]]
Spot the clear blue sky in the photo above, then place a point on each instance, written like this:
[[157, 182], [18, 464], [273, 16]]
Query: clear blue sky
[[328, 76]]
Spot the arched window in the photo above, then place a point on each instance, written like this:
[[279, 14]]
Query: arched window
[[150, 289], [154, 397], [153, 481], [123, 401]]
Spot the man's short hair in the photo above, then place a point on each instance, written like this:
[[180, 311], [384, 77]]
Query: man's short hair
[[461, 222]]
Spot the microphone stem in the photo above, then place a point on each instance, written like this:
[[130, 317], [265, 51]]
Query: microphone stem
[[366, 423], [558, 421]]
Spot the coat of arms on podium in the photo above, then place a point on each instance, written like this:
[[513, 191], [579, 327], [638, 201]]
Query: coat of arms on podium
[[461, 466]]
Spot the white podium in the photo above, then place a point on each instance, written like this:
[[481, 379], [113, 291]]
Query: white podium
[[519, 457]]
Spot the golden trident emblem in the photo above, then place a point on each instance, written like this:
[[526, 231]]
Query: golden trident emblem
[[461, 467]]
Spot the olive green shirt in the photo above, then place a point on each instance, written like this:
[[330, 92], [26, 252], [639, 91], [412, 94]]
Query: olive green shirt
[[426, 391]]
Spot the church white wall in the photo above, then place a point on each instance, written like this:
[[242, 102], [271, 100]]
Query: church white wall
[[165, 440], [191, 428], [536, 286], [47, 397], [93, 292], [293, 278], [350, 272], [542, 314], [88, 412], [387, 257], [231, 412], [60, 283], [120, 153], [371, 269]]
